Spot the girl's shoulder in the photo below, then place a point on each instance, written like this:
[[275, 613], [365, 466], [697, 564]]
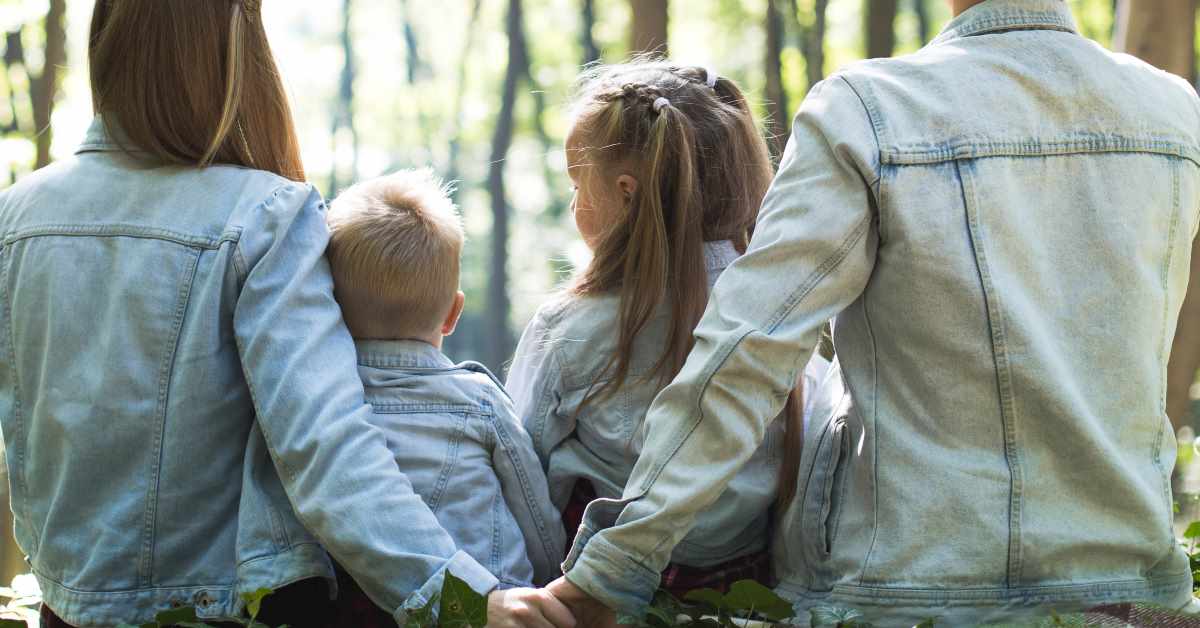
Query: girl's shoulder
[[570, 316]]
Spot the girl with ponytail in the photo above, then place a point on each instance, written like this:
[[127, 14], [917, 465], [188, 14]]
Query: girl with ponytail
[[669, 170]]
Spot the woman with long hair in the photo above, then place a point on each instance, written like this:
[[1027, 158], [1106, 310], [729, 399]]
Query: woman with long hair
[[178, 396]]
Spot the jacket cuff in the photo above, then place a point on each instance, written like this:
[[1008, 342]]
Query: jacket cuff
[[464, 568], [618, 579]]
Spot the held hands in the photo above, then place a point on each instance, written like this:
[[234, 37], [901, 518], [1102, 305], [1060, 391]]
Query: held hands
[[527, 608], [589, 612]]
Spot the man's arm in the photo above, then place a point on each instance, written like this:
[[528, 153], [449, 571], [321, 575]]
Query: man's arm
[[812, 253]]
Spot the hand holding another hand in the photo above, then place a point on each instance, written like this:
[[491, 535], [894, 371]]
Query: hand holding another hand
[[589, 612], [527, 608]]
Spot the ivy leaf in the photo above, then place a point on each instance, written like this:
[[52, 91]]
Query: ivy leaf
[[748, 595], [254, 600], [461, 607], [177, 616], [708, 597], [12, 623], [928, 623], [657, 617], [833, 616]]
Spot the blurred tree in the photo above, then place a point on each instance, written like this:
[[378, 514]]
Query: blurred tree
[[499, 335], [924, 28], [343, 111], [1163, 32], [777, 104], [43, 86], [811, 38], [880, 19], [648, 26], [591, 52], [460, 87]]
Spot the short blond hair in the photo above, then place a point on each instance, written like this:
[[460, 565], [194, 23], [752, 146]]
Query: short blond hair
[[395, 243]]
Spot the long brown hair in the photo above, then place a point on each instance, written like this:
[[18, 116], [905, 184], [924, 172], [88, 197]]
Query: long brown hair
[[703, 169], [192, 82]]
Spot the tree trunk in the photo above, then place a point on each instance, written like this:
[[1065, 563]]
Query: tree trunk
[[1162, 32], [924, 28], [452, 173], [811, 40], [591, 52], [343, 113], [412, 55], [880, 18], [44, 88], [648, 27], [777, 104], [499, 335]]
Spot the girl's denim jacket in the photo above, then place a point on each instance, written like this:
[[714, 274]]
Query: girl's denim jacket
[[562, 353], [1002, 225], [179, 398]]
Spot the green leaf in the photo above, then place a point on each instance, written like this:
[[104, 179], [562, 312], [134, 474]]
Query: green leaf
[[1193, 530], [833, 616], [709, 597], [254, 600], [748, 595], [461, 605], [660, 617], [12, 623], [177, 616], [928, 623]]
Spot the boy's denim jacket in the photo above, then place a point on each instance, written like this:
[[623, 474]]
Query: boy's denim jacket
[[562, 353], [1002, 224], [178, 394], [455, 436]]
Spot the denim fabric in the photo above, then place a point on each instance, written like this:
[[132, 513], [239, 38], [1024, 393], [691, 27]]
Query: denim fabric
[[1001, 224], [455, 436], [564, 350], [179, 401]]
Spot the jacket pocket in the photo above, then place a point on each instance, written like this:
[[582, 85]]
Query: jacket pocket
[[822, 493]]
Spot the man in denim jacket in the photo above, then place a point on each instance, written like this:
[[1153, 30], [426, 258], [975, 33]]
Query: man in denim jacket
[[1001, 224]]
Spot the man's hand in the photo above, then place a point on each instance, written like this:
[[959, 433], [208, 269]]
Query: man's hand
[[589, 611], [527, 608]]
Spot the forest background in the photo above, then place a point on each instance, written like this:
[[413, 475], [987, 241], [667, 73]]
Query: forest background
[[478, 90]]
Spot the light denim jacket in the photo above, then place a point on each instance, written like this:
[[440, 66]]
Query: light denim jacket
[[172, 352], [1002, 225], [562, 353], [455, 436]]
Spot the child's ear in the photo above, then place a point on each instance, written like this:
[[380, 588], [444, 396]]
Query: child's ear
[[460, 300], [628, 185]]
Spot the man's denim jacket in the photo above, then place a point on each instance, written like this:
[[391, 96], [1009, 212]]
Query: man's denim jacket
[[179, 399], [1002, 225], [455, 436], [563, 352]]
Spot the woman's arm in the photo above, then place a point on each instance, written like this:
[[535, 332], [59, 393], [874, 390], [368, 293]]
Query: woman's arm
[[812, 254], [299, 363]]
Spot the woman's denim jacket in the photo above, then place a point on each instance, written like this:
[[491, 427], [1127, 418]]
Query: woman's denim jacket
[[1002, 224], [178, 396], [457, 438], [563, 352]]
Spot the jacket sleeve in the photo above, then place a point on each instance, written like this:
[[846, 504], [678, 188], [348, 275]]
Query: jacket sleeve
[[812, 253], [527, 495], [299, 362]]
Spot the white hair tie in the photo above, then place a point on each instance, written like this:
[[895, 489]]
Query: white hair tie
[[710, 78], [659, 103]]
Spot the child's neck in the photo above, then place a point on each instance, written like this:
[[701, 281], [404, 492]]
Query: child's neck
[[434, 339]]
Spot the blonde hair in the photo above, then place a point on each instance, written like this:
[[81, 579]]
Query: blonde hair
[[703, 169], [395, 243], [216, 100]]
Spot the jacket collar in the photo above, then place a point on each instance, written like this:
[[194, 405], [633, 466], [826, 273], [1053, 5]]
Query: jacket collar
[[991, 16], [400, 353], [103, 136]]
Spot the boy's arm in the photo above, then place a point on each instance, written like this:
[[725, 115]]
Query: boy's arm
[[525, 492], [298, 361]]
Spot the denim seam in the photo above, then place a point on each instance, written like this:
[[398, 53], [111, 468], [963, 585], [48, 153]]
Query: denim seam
[[1020, 20], [497, 500], [506, 444], [810, 542], [18, 414], [965, 148], [837, 495], [1004, 383], [875, 438], [149, 532], [126, 231], [1164, 345], [824, 270], [460, 432], [877, 127]]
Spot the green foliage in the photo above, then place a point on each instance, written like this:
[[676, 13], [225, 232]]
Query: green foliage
[[709, 608]]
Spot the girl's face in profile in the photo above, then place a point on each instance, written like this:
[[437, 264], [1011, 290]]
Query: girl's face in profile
[[598, 202]]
